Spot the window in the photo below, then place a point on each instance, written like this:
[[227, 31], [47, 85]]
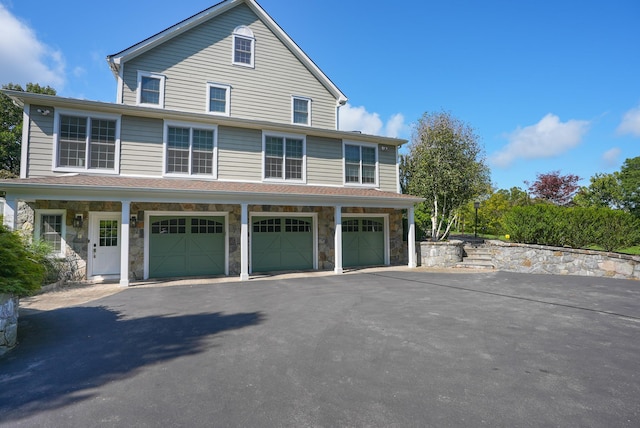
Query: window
[[243, 46], [301, 111], [218, 97], [50, 228], [190, 149], [150, 89], [284, 157], [86, 142], [360, 164]]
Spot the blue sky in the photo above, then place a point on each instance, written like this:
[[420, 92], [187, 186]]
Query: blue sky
[[547, 85]]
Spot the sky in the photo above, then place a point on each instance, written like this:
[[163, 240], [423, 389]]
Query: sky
[[547, 85]]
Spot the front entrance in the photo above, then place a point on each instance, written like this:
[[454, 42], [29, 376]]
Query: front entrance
[[104, 243]]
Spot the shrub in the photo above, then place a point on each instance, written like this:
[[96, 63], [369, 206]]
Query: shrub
[[575, 227], [22, 271]]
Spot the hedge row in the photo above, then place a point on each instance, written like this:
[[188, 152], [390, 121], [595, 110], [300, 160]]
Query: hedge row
[[22, 268], [574, 227]]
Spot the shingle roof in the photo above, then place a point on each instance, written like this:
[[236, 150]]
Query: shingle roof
[[75, 182]]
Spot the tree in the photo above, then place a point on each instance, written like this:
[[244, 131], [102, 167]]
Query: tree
[[445, 165], [604, 191], [555, 188], [11, 128], [630, 182]]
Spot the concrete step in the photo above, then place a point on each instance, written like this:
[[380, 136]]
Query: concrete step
[[472, 264]]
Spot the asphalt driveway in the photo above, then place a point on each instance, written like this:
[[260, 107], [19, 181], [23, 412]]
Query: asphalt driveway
[[392, 348]]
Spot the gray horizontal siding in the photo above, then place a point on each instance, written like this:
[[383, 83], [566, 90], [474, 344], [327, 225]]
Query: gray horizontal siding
[[324, 161], [203, 54], [239, 154], [40, 159], [388, 171], [141, 147]]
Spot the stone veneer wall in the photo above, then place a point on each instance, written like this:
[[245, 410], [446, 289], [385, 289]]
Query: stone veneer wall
[[78, 244], [440, 254], [563, 261], [8, 322]]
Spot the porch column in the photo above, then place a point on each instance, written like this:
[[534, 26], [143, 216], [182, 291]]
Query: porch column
[[10, 213], [124, 244], [338, 240], [244, 242], [411, 238]]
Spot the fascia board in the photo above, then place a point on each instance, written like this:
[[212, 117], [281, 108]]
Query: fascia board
[[150, 112]]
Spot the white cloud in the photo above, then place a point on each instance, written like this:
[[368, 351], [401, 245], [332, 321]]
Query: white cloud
[[610, 157], [24, 57], [630, 122], [545, 139], [359, 119]]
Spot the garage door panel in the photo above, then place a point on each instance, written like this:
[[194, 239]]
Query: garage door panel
[[186, 246], [282, 243], [363, 242]]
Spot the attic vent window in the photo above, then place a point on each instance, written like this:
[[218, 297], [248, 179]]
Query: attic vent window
[[243, 46]]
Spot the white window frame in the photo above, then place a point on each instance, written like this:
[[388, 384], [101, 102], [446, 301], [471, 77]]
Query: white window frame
[[243, 32], [308, 101], [191, 126], [344, 164], [88, 116], [63, 228], [284, 136], [162, 79], [227, 103]]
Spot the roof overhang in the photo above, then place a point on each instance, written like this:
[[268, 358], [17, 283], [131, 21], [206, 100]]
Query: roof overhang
[[21, 98], [116, 60], [85, 187]]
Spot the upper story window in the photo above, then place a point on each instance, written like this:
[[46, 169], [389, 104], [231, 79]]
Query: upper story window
[[50, 227], [243, 46], [360, 164], [301, 110], [218, 99], [86, 142], [284, 157], [150, 89], [190, 149]]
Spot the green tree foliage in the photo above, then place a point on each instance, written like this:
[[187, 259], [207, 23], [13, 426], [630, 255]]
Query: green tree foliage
[[604, 191], [493, 209], [630, 182], [445, 165], [22, 271], [576, 227], [11, 128]]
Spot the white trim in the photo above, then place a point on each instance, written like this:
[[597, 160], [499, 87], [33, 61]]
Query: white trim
[[385, 216], [337, 242], [308, 100], [63, 227], [24, 147], [158, 76], [227, 102], [279, 214], [344, 164], [147, 224], [88, 116], [191, 126], [243, 32], [9, 212], [244, 242], [411, 238], [284, 136]]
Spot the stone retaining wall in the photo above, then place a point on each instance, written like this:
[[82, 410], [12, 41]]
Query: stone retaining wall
[[8, 322], [440, 254], [527, 258]]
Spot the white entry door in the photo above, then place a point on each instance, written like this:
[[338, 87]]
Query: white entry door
[[104, 243]]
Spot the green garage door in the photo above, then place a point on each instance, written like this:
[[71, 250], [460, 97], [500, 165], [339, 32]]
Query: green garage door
[[281, 244], [186, 246], [362, 242]]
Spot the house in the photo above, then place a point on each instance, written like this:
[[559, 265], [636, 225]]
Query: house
[[220, 156]]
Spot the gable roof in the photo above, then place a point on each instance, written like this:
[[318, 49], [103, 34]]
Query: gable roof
[[115, 60]]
